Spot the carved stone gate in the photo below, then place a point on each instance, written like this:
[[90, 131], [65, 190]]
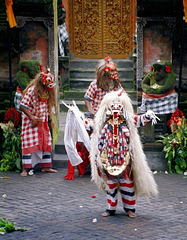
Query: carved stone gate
[[99, 28]]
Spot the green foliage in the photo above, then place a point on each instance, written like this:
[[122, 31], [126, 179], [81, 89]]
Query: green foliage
[[31, 67], [28, 71], [11, 154], [2, 114], [6, 226], [7, 103], [22, 79], [175, 146]]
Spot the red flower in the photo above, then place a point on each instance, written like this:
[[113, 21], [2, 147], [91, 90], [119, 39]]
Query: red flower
[[42, 67], [173, 143], [107, 70], [168, 69], [151, 68], [12, 115], [175, 118], [25, 69], [106, 58]]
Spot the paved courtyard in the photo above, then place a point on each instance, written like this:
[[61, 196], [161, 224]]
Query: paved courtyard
[[52, 208]]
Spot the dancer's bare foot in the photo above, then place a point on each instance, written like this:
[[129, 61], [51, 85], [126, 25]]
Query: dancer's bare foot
[[48, 170], [24, 173], [106, 214], [131, 214]]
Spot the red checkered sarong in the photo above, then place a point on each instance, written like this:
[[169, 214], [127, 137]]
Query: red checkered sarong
[[39, 137]]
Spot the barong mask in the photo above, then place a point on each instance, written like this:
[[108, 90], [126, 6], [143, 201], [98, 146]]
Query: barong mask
[[48, 80], [115, 110]]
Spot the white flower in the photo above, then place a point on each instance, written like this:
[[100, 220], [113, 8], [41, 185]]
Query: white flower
[[3, 126], [94, 220], [31, 172]]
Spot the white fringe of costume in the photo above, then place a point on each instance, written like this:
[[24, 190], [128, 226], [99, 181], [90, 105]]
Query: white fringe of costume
[[144, 182]]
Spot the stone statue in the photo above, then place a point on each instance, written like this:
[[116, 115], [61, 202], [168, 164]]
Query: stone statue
[[159, 89], [160, 79]]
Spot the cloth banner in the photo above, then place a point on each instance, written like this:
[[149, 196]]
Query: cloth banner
[[62, 36], [163, 105], [10, 14], [185, 9]]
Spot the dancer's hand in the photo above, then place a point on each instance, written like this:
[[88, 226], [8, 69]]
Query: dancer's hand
[[151, 116]]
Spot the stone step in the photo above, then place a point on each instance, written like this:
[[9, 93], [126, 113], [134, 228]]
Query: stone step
[[60, 161], [83, 83], [79, 94], [91, 63], [126, 73], [81, 105]]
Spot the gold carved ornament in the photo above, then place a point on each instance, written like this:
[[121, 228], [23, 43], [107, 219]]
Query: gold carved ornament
[[101, 28]]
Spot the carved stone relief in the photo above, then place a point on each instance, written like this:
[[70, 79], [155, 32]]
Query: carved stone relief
[[48, 22]]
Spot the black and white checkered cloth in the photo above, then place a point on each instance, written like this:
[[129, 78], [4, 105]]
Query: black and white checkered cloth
[[163, 105], [62, 36], [17, 100]]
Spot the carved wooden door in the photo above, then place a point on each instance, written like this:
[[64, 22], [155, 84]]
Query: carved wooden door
[[100, 28]]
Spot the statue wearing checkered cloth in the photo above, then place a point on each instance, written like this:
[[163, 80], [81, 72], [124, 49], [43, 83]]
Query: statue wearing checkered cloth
[[158, 89]]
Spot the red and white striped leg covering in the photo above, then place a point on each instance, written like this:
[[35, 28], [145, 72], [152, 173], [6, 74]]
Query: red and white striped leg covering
[[112, 197], [127, 193]]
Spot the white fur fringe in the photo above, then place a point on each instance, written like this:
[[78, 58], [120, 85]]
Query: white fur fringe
[[143, 176]]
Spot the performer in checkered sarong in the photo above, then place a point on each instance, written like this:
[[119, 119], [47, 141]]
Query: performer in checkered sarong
[[107, 81], [36, 106], [117, 159]]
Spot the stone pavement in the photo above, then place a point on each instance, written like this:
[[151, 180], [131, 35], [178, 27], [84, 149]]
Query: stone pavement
[[53, 208]]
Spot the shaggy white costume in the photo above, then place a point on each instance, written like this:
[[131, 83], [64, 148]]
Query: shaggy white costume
[[144, 182]]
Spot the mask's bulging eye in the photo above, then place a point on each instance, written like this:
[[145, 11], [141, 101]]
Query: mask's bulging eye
[[48, 79]]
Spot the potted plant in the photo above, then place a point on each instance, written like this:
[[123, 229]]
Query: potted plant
[[11, 152], [175, 144]]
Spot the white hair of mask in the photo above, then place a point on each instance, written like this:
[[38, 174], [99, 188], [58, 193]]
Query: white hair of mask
[[110, 98], [143, 177]]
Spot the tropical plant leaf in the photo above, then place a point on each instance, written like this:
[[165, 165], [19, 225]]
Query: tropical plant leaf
[[178, 169]]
